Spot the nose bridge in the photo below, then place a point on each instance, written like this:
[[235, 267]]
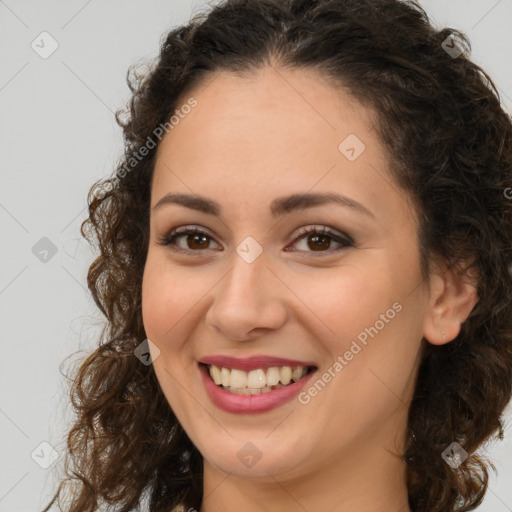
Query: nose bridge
[[248, 277], [249, 270], [248, 297]]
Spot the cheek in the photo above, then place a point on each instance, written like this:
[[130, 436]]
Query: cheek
[[171, 305], [152, 303], [347, 299], [163, 299], [163, 306]]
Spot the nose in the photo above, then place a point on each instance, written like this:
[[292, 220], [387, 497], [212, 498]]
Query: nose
[[248, 302]]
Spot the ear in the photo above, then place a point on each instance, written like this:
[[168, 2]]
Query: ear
[[452, 298]]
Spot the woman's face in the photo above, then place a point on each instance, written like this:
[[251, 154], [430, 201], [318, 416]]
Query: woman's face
[[254, 290]]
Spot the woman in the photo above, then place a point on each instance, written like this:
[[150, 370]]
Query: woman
[[305, 266]]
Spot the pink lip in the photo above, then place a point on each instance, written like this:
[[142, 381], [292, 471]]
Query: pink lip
[[252, 363], [251, 404]]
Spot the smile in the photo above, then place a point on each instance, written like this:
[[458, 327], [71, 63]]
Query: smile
[[253, 385], [258, 381]]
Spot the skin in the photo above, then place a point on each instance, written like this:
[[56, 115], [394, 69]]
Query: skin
[[248, 141]]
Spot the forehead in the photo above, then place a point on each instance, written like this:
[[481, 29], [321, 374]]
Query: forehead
[[302, 101], [270, 134], [270, 116]]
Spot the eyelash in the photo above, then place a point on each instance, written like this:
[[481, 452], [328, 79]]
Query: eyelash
[[175, 233]]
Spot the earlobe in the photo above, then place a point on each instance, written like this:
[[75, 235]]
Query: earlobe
[[452, 298]]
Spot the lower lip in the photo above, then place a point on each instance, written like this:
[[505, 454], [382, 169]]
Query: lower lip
[[250, 404]]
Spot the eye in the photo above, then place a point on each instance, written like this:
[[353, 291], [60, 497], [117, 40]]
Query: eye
[[195, 238], [317, 239]]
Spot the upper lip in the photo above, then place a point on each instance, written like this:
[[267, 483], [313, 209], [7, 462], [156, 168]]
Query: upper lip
[[253, 362]]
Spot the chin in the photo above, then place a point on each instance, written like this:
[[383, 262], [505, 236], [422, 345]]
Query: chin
[[255, 458]]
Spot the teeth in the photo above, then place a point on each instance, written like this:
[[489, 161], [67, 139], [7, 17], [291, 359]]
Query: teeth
[[226, 374], [238, 379], [251, 391], [285, 375], [216, 375], [272, 376], [256, 381], [297, 373]]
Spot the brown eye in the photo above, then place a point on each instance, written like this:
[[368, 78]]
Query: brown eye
[[319, 242], [316, 239], [197, 238], [320, 239], [194, 239]]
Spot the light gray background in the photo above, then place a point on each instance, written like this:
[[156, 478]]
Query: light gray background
[[58, 135]]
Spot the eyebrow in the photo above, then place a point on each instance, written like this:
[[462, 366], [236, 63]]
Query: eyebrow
[[279, 207]]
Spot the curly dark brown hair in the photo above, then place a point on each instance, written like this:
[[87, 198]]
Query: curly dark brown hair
[[450, 145]]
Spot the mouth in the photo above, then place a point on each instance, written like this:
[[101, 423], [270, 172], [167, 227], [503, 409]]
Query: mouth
[[257, 381]]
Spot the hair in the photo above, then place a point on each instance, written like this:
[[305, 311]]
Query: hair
[[449, 144]]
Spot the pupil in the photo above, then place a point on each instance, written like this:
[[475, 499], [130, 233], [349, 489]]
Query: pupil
[[316, 246], [197, 237]]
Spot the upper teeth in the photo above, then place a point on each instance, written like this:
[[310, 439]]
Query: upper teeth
[[256, 378]]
